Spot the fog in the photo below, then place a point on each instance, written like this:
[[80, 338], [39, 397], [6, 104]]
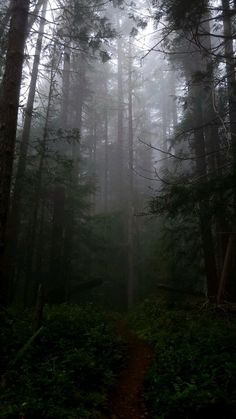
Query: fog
[[124, 144], [117, 209]]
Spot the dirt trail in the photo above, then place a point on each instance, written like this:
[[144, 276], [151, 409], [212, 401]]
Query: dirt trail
[[126, 400]]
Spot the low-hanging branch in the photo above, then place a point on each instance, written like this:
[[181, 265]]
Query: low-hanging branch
[[177, 157]]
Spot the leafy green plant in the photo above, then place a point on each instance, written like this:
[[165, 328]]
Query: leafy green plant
[[68, 370], [194, 370]]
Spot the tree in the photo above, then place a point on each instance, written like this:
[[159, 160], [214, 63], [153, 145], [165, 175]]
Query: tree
[[189, 22], [131, 273], [16, 213], [9, 102]]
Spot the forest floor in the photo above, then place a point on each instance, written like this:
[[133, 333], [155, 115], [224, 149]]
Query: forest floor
[[126, 400]]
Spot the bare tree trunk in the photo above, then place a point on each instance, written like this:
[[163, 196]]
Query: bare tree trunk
[[164, 118], [226, 266], [204, 210], [38, 189], [5, 22], [174, 114], [33, 229], [34, 14], [193, 64], [212, 139], [75, 150], [165, 115], [94, 162], [31, 20], [231, 87], [230, 72], [131, 274], [65, 87], [106, 168], [15, 213], [9, 102], [210, 117], [57, 286], [120, 169], [80, 93], [40, 252]]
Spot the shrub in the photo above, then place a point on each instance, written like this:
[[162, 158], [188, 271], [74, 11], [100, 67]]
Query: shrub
[[68, 369], [194, 370]]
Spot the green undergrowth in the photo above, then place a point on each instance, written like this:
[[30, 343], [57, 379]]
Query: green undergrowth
[[68, 369], [193, 374]]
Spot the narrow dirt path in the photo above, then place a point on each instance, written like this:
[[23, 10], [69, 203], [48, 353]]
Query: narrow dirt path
[[126, 400]]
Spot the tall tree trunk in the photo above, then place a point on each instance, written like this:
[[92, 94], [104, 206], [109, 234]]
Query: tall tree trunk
[[204, 210], [76, 122], [131, 274], [57, 286], [231, 87], [65, 88], [15, 213], [224, 273], [34, 14], [75, 151], [165, 120], [81, 87], [9, 102], [230, 73], [174, 114], [193, 66], [106, 168], [213, 149], [31, 20], [38, 190], [94, 158], [210, 118], [3, 27], [119, 168], [40, 253]]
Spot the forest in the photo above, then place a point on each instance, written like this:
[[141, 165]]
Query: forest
[[117, 209]]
